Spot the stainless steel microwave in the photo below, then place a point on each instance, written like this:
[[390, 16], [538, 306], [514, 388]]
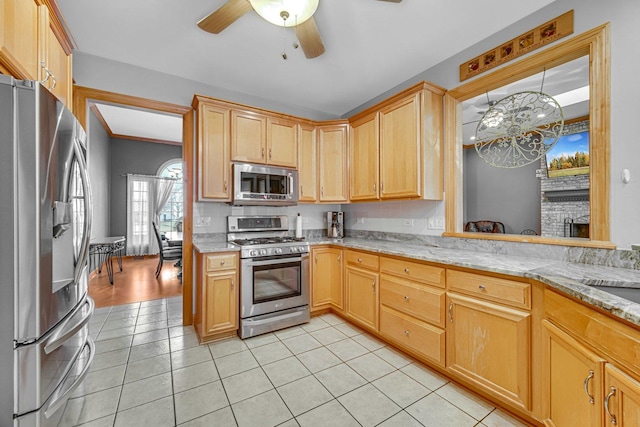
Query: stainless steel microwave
[[264, 185]]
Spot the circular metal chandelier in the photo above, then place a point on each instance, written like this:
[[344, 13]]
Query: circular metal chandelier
[[519, 129]]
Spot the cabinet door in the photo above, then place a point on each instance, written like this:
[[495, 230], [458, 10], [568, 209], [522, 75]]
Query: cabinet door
[[56, 61], [362, 297], [307, 165], [489, 346], [220, 302], [622, 398], [364, 159], [19, 38], [400, 149], [572, 381], [248, 137], [282, 143], [213, 153], [326, 278], [332, 154]]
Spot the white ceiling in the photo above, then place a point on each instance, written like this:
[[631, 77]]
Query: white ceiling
[[371, 46], [140, 124]]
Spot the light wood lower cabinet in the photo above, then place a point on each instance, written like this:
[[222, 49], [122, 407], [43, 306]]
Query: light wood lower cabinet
[[572, 380], [326, 279], [362, 297], [217, 295], [489, 345], [622, 402]]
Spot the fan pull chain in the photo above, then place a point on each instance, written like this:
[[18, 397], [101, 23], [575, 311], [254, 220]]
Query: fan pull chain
[[284, 15], [544, 71]]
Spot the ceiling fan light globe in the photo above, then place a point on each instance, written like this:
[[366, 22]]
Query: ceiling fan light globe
[[299, 11]]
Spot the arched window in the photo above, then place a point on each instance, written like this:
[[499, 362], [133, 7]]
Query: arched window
[[171, 214]]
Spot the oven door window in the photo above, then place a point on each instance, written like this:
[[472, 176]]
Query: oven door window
[[276, 281]]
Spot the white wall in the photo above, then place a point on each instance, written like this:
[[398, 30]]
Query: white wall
[[625, 95], [99, 166]]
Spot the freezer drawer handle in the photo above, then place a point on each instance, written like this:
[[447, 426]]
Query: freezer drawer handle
[[59, 338], [55, 404]]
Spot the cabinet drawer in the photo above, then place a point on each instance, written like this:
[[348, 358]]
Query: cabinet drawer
[[414, 271], [363, 260], [221, 262], [517, 294], [421, 301], [413, 334]]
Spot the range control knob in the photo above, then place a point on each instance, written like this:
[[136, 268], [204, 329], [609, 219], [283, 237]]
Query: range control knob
[[278, 250], [294, 249], [253, 253], [301, 249], [263, 251]]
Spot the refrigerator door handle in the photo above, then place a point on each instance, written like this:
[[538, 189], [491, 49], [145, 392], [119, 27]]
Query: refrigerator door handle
[[60, 400], [63, 334], [84, 249]]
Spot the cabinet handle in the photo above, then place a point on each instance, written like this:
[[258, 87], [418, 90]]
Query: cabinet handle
[[53, 86], [382, 187], [373, 286], [406, 333], [586, 387], [232, 284], [225, 185], [316, 258], [301, 190], [481, 287], [49, 74], [406, 270], [322, 190], [339, 259], [451, 312], [406, 298], [606, 405], [262, 153], [269, 152], [374, 187]]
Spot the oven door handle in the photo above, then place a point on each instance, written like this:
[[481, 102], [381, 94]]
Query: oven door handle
[[278, 261]]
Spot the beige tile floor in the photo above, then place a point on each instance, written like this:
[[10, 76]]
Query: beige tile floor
[[150, 371]]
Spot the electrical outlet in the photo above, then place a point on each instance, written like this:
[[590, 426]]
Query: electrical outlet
[[435, 223], [202, 221], [407, 222]]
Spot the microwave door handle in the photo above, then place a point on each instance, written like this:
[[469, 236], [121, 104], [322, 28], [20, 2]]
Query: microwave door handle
[[290, 184]]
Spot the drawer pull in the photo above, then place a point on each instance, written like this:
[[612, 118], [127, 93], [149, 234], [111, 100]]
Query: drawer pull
[[481, 287], [406, 298], [406, 270], [586, 387], [222, 262], [359, 259], [606, 405], [406, 333]]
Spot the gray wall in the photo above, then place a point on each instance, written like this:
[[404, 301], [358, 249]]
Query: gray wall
[[510, 196], [108, 75], [133, 157], [99, 165]]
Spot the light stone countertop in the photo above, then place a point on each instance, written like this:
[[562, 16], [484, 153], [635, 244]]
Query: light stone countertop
[[575, 279], [215, 246]]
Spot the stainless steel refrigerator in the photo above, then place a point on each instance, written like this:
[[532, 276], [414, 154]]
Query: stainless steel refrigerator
[[45, 215]]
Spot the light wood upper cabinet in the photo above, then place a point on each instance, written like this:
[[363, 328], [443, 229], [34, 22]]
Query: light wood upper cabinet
[[489, 345], [622, 400], [55, 60], [405, 134], [248, 137], [332, 160], [364, 159], [326, 278], [572, 381], [19, 38], [282, 142], [217, 295], [212, 151], [307, 165]]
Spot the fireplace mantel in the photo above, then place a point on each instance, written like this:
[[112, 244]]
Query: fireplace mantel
[[579, 195]]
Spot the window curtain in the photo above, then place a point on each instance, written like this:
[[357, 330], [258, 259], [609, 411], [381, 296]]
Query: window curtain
[[146, 196]]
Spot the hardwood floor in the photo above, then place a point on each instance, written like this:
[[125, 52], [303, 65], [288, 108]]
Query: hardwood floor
[[136, 282]]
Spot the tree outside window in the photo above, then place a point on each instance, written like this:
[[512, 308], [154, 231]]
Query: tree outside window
[[172, 213]]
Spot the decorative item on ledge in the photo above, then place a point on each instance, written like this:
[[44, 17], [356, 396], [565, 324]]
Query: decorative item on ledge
[[546, 33]]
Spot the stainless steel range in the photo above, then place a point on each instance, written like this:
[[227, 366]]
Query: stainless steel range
[[274, 274]]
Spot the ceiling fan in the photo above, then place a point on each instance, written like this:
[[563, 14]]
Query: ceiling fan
[[284, 13]]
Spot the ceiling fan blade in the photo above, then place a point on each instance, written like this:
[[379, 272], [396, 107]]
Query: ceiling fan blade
[[226, 15], [309, 38]]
